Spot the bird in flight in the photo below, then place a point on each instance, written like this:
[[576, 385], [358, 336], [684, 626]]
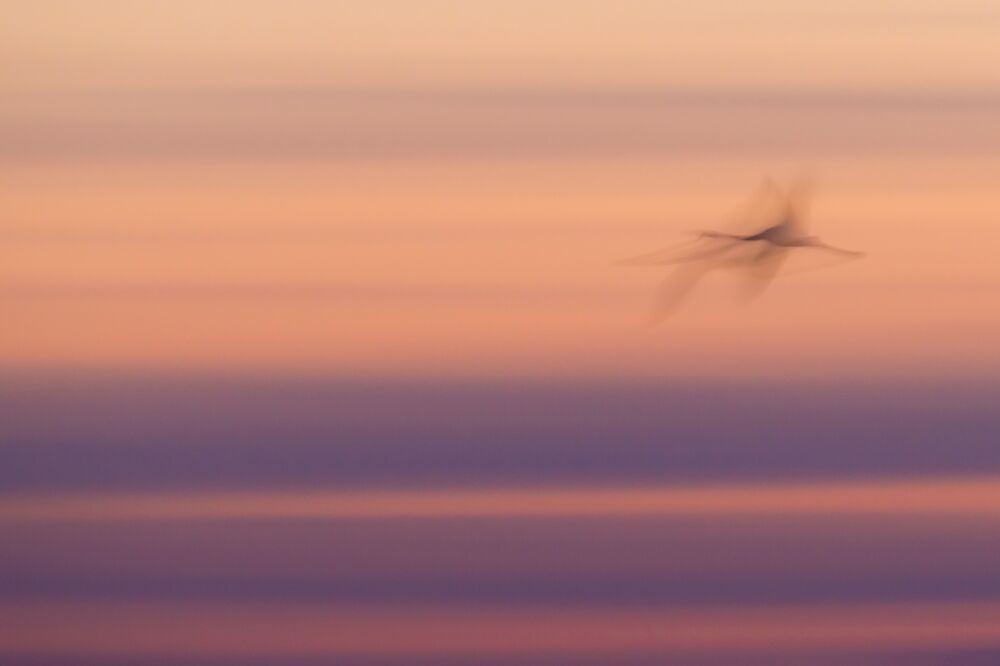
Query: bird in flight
[[761, 253]]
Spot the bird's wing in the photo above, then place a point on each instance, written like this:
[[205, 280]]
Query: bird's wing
[[761, 210], [797, 208], [763, 268], [673, 290], [705, 248]]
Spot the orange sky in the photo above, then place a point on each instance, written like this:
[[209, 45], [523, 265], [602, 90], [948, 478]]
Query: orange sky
[[479, 269], [438, 189]]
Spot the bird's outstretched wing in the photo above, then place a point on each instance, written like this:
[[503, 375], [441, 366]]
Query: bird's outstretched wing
[[762, 210], [674, 289], [762, 268], [706, 247], [796, 209]]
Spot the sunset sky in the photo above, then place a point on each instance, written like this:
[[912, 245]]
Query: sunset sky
[[313, 343]]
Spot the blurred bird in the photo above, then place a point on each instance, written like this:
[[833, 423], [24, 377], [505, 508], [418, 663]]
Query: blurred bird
[[761, 253]]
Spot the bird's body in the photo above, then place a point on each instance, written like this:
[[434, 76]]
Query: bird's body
[[784, 234]]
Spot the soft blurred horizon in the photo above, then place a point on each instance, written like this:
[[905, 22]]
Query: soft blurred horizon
[[314, 346]]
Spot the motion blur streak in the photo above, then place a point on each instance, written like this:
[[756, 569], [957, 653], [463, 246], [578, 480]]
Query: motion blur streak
[[291, 631], [976, 496]]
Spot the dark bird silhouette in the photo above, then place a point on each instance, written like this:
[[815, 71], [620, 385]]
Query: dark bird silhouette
[[760, 254]]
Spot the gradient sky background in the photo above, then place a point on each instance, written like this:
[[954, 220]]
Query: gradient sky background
[[312, 345]]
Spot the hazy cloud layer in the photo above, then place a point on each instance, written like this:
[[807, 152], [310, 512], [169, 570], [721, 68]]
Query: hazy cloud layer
[[363, 125]]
